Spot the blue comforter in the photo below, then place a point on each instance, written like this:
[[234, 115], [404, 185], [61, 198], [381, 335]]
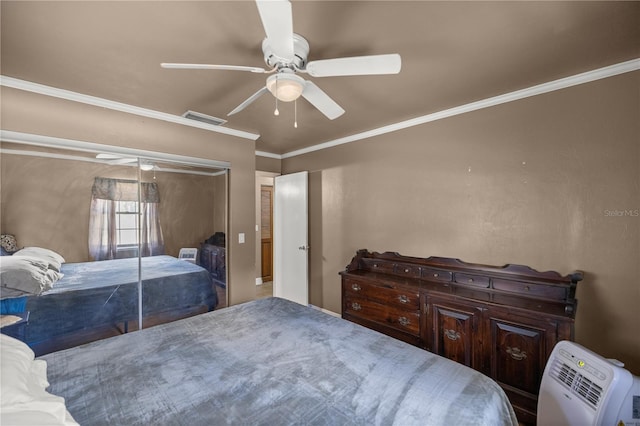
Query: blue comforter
[[269, 362], [96, 294]]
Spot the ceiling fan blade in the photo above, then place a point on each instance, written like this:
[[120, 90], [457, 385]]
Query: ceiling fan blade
[[122, 161], [357, 65], [249, 100], [116, 159], [321, 101], [277, 20], [212, 67], [107, 156]]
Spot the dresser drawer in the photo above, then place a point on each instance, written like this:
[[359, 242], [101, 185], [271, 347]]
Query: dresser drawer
[[409, 271], [407, 321], [472, 280], [381, 266], [402, 298], [436, 275], [530, 289]]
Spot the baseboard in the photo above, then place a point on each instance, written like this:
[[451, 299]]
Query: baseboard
[[326, 311]]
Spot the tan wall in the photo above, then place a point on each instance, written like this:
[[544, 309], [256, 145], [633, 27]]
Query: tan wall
[[32, 113], [267, 164], [538, 182], [45, 203], [189, 207]]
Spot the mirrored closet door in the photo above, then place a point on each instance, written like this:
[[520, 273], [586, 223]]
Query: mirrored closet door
[[122, 242]]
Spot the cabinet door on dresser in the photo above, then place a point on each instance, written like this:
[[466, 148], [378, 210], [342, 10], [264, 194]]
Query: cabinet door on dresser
[[519, 349], [455, 331]]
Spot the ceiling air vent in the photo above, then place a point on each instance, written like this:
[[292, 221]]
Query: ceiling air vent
[[198, 116]]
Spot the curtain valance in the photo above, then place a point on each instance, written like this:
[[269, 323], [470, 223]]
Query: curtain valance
[[124, 190]]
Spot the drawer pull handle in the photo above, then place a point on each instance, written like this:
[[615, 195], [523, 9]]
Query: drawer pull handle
[[356, 287], [407, 270], [356, 306], [452, 334], [516, 353], [470, 280], [375, 265], [404, 321], [403, 298], [436, 275], [527, 288]]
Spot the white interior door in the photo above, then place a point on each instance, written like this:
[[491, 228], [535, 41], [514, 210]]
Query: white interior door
[[290, 238]]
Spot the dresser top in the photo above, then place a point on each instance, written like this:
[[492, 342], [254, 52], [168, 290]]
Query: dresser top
[[511, 285]]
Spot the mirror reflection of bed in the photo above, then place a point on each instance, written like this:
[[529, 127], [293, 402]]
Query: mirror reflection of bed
[[46, 202]]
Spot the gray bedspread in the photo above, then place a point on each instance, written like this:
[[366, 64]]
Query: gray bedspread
[[269, 362]]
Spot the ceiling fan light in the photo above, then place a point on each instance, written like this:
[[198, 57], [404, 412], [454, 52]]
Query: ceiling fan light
[[285, 87], [146, 166]]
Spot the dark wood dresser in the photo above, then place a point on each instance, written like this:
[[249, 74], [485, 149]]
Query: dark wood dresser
[[500, 320], [213, 259]]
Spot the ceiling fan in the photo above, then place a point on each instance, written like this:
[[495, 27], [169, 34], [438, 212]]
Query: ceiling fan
[[119, 159], [285, 54]]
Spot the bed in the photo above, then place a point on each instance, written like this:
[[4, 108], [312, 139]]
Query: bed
[[271, 362], [100, 294]]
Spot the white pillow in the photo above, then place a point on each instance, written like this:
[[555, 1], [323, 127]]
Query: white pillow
[[23, 381], [20, 275], [39, 251], [26, 417], [15, 371], [55, 260]]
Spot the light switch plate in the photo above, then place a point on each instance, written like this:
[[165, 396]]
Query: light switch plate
[[241, 238]]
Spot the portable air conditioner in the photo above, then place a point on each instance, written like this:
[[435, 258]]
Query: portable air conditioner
[[188, 254], [581, 388]]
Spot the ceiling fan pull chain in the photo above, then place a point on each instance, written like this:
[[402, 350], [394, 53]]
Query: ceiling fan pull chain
[[295, 113], [276, 112]]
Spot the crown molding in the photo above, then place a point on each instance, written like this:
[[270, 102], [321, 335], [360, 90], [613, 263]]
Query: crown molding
[[76, 145], [268, 155], [68, 95], [563, 83]]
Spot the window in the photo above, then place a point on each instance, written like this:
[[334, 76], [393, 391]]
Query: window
[[127, 224], [117, 219]]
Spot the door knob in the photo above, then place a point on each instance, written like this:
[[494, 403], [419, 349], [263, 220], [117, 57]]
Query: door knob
[[303, 248]]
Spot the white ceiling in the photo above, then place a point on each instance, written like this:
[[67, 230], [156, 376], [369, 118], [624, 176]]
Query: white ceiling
[[453, 53]]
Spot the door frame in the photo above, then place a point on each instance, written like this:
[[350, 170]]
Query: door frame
[[262, 178], [269, 189]]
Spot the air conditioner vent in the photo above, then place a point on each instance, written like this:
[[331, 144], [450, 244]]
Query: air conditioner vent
[[588, 390], [579, 385], [198, 116], [563, 372]]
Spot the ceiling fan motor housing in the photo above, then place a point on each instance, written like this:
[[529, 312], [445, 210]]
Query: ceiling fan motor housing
[[299, 60], [286, 85]]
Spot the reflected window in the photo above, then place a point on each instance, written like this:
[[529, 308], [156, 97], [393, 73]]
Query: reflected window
[[117, 218], [126, 225]]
